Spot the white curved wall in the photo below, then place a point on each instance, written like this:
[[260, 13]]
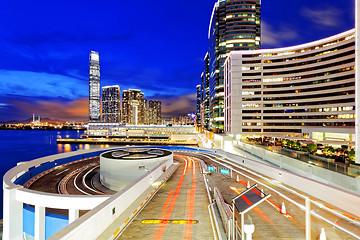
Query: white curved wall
[[118, 173], [292, 90]]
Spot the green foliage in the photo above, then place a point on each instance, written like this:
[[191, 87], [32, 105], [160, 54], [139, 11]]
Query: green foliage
[[329, 149], [352, 155], [344, 147], [312, 147]]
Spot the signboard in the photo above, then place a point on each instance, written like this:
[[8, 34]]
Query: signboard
[[246, 201], [224, 171], [211, 168]]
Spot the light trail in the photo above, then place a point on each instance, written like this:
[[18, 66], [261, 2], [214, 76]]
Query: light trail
[[85, 185], [190, 202], [80, 190], [161, 230]]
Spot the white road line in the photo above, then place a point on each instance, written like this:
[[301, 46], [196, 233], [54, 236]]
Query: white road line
[[62, 171], [84, 183], [77, 186]]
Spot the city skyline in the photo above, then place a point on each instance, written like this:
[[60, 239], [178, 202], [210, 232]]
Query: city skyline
[[160, 51]]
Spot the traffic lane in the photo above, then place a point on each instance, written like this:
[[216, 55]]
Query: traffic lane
[[269, 223], [276, 201], [164, 202], [76, 184], [269, 185], [49, 182]]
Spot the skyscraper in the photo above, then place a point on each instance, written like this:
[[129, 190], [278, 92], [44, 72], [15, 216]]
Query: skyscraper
[[198, 105], [234, 25], [154, 112], [111, 104], [205, 97], [94, 87], [133, 108]]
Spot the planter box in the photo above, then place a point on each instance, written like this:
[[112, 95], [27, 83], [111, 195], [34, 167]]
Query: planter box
[[294, 151], [322, 158]]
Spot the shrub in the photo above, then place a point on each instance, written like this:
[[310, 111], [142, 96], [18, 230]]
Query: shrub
[[312, 147]]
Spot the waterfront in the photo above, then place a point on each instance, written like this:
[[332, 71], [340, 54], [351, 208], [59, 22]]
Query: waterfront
[[25, 145]]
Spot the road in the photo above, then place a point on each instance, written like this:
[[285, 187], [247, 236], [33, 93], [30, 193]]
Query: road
[[179, 210], [269, 222]]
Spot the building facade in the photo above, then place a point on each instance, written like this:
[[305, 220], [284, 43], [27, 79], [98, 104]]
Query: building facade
[[205, 95], [305, 90], [94, 87], [234, 25], [154, 112], [111, 104], [198, 105], [133, 107]]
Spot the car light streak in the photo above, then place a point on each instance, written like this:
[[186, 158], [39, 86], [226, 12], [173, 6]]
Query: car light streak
[[190, 202], [161, 230]]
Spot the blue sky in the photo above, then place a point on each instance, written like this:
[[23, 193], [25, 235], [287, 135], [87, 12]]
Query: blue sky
[[155, 46]]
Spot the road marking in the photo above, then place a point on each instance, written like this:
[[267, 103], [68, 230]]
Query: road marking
[[62, 171]]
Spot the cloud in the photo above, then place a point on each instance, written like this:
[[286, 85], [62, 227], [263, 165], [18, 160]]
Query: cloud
[[20, 108], [66, 110], [326, 17], [276, 36], [41, 84], [175, 106]]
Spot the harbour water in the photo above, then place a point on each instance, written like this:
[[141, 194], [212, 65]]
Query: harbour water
[[25, 145]]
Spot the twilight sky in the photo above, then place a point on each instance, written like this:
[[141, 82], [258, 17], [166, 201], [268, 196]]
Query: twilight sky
[[155, 46]]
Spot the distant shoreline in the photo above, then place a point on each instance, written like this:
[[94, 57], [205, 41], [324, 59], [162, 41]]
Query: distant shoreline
[[43, 129]]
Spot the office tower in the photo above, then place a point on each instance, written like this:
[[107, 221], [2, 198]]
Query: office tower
[[133, 109], [205, 97], [94, 87], [111, 104], [154, 112], [234, 25], [198, 105]]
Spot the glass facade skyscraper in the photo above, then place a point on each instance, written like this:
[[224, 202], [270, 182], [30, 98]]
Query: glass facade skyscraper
[[111, 104], [234, 25], [133, 107], [94, 87], [205, 94]]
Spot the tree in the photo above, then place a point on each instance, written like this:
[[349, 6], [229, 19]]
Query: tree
[[312, 147], [329, 149], [352, 155]]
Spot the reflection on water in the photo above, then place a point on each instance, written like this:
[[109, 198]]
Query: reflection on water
[[60, 148], [67, 148]]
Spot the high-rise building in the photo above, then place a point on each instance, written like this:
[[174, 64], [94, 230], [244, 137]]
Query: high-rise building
[[154, 112], [234, 25], [198, 105], [205, 95], [111, 104], [133, 107], [94, 87], [306, 90]]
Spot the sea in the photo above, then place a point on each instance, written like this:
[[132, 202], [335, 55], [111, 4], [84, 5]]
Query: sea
[[25, 145]]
